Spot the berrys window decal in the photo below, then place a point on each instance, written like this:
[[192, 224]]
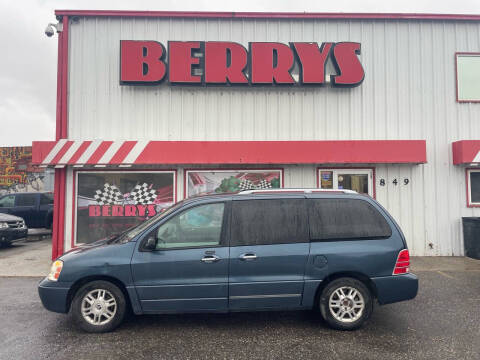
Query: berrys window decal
[[229, 63], [111, 202]]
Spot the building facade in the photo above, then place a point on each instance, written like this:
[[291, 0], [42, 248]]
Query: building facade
[[154, 107]]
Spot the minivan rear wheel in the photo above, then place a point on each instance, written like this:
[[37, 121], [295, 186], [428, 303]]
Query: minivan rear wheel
[[346, 303], [98, 306]]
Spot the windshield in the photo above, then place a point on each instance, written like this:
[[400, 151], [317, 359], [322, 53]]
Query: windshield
[[131, 233]]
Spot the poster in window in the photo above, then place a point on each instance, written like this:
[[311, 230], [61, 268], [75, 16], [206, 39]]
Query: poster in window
[[326, 179], [111, 202], [201, 182]]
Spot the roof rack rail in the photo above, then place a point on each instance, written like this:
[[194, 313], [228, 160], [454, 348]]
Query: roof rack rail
[[286, 190]]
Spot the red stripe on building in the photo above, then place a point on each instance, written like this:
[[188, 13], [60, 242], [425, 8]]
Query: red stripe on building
[[62, 152], [122, 152], [266, 15], [40, 150], [284, 152], [97, 154], [79, 152], [465, 151], [261, 152]]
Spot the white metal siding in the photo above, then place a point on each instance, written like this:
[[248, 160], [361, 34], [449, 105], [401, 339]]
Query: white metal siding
[[408, 93]]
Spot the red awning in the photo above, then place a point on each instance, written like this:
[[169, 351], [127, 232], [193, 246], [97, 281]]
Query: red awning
[[466, 152], [126, 153]]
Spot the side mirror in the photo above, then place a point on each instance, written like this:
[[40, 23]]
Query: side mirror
[[151, 243]]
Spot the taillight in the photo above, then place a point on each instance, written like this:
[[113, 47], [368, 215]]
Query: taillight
[[402, 266]]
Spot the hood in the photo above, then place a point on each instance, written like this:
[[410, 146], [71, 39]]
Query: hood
[[102, 242], [7, 217]]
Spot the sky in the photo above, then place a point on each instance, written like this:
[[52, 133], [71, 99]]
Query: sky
[[28, 60]]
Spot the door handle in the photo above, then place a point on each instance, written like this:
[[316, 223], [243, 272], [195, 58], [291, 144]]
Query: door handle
[[210, 259], [248, 256]]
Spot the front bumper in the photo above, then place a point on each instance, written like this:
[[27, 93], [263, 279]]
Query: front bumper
[[54, 295], [9, 235], [396, 288]]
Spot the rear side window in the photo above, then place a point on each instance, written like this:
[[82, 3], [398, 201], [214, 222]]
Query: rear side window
[[26, 199], [265, 222], [332, 219], [46, 199]]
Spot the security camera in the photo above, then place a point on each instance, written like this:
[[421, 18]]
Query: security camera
[[49, 31]]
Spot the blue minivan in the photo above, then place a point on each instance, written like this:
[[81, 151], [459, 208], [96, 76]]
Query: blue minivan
[[333, 251]]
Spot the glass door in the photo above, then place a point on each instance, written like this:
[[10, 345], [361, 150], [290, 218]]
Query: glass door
[[359, 180]]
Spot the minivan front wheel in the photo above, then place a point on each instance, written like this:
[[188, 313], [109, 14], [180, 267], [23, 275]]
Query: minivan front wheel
[[98, 306], [346, 303]]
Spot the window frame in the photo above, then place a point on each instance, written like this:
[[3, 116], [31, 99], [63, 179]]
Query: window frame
[[73, 238], [353, 170], [457, 55], [468, 171], [186, 171], [224, 238], [260, 198]]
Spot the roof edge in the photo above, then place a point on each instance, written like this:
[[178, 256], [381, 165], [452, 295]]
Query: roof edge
[[267, 15]]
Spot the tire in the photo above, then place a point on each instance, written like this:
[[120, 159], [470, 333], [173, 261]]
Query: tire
[[100, 301], [352, 304]]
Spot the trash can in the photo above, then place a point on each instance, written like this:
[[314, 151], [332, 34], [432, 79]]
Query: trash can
[[471, 236]]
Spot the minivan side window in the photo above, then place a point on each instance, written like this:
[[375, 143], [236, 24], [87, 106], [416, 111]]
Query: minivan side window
[[332, 219], [200, 226], [270, 221], [26, 199]]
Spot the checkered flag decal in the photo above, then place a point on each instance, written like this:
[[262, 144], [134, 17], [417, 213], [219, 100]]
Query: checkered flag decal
[[264, 184], [142, 195], [110, 195], [248, 185]]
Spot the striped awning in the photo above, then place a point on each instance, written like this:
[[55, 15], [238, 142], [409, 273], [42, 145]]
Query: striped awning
[[80, 153], [101, 153]]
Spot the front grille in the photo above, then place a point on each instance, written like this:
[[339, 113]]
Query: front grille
[[15, 224]]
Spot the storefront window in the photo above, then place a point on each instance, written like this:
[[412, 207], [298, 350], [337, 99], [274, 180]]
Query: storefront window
[[200, 182], [468, 77], [359, 180], [474, 187], [111, 202]]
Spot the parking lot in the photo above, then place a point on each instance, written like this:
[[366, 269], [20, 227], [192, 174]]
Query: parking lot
[[441, 323], [27, 257]]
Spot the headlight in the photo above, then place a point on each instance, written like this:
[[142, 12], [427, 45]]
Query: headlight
[[55, 270], [3, 225]]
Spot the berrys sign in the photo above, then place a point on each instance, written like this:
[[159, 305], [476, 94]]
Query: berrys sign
[[229, 63]]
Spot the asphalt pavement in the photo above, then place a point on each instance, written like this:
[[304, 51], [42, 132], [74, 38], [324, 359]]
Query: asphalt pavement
[[441, 323], [27, 257]]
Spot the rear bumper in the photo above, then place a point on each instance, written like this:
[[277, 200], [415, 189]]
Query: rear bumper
[[396, 288], [53, 295], [9, 235]]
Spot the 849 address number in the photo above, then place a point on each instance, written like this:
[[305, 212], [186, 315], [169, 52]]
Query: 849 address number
[[395, 182]]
